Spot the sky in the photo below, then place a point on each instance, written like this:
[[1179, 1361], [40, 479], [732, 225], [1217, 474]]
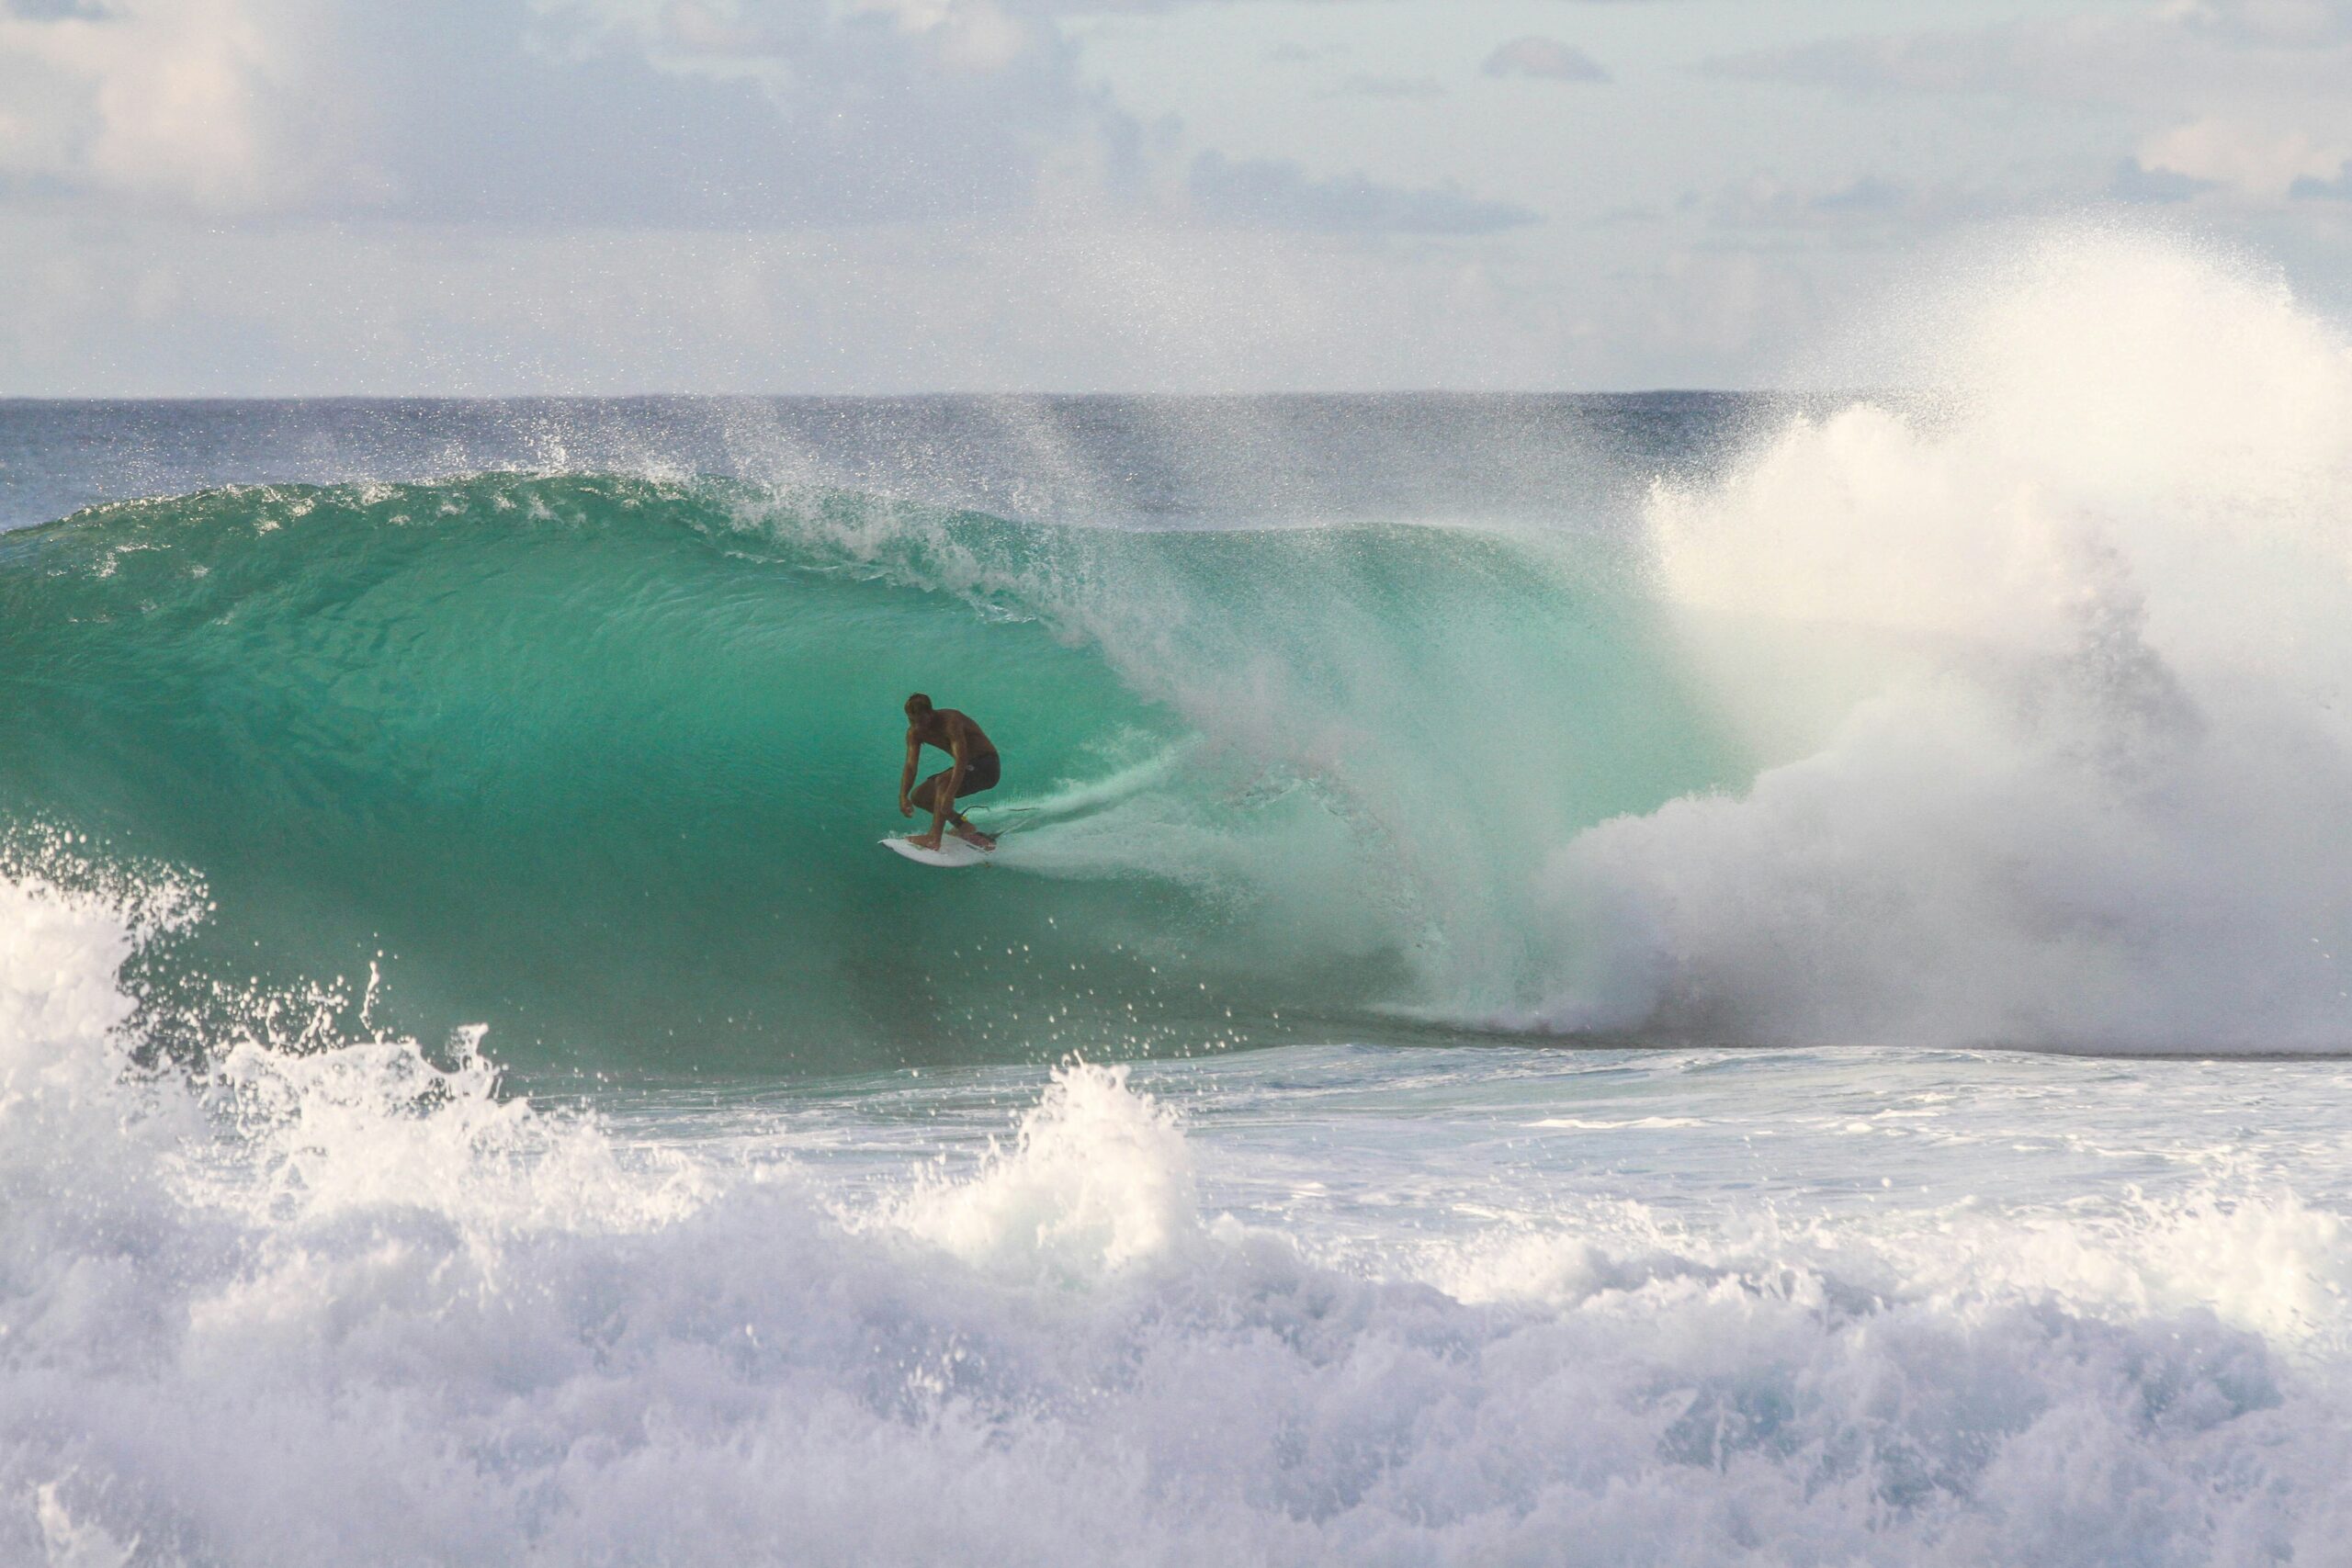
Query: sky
[[206, 197]]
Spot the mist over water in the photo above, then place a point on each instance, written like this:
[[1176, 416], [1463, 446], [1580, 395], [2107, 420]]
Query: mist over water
[[2051, 689], [472, 1088]]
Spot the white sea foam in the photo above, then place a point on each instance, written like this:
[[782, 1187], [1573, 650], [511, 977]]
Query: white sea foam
[[348, 1306], [1097, 1181], [2051, 683]]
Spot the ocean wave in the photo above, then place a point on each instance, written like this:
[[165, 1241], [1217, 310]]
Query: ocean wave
[[2012, 714], [600, 761]]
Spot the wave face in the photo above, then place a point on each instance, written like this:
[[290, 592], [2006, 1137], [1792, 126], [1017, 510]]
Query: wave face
[[601, 762]]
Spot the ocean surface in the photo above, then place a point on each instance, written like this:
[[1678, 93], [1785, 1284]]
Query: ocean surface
[[1665, 979]]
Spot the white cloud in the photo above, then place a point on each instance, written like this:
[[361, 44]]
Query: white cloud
[[211, 105], [704, 114], [508, 112], [868, 194], [2249, 159]]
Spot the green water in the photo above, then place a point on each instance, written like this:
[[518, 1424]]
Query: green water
[[601, 762]]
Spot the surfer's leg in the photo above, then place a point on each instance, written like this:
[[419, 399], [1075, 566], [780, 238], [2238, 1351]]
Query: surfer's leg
[[961, 826], [982, 775], [929, 797]]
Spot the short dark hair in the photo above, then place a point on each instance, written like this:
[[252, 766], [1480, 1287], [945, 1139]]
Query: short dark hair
[[917, 704]]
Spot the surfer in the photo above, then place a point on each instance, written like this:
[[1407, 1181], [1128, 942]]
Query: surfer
[[976, 769]]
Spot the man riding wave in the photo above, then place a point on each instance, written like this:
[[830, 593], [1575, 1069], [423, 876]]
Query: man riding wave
[[975, 769]]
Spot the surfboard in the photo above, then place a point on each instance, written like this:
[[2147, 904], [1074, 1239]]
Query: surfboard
[[951, 851]]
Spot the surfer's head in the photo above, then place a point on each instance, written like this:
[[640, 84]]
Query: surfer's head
[[919, 708]]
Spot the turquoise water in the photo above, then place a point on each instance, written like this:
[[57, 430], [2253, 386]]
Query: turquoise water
[[601, 762]]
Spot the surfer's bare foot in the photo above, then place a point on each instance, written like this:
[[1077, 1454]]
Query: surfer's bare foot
[[974, 837], [923, 840]]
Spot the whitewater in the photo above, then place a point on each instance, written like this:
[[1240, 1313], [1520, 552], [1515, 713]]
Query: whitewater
[[1672, 979]]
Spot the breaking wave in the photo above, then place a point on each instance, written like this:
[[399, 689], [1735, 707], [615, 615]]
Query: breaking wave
[[350, 1303], [2012, 714]]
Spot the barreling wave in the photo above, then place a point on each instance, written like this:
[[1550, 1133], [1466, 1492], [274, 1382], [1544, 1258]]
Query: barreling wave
[[2018, 718], [601, 762]]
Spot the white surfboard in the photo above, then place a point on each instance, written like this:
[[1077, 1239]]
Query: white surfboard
[[951, 850]]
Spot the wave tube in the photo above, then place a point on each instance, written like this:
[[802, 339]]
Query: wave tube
[[600, 762]]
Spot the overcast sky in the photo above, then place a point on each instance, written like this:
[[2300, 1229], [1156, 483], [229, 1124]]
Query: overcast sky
[[203, 197]]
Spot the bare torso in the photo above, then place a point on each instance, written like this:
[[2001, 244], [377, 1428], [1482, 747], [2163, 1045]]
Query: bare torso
[[946, 727], [974, 767]]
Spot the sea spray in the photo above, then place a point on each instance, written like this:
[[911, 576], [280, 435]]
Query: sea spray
[[2048, 690], [1097, 1179]]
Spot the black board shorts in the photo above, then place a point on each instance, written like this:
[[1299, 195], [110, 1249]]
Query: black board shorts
[[979, 773]]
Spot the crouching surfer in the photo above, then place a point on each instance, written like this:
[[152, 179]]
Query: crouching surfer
[[974, 770]]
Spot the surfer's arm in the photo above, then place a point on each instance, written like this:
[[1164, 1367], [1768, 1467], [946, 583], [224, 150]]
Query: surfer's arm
[[906, 776]]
